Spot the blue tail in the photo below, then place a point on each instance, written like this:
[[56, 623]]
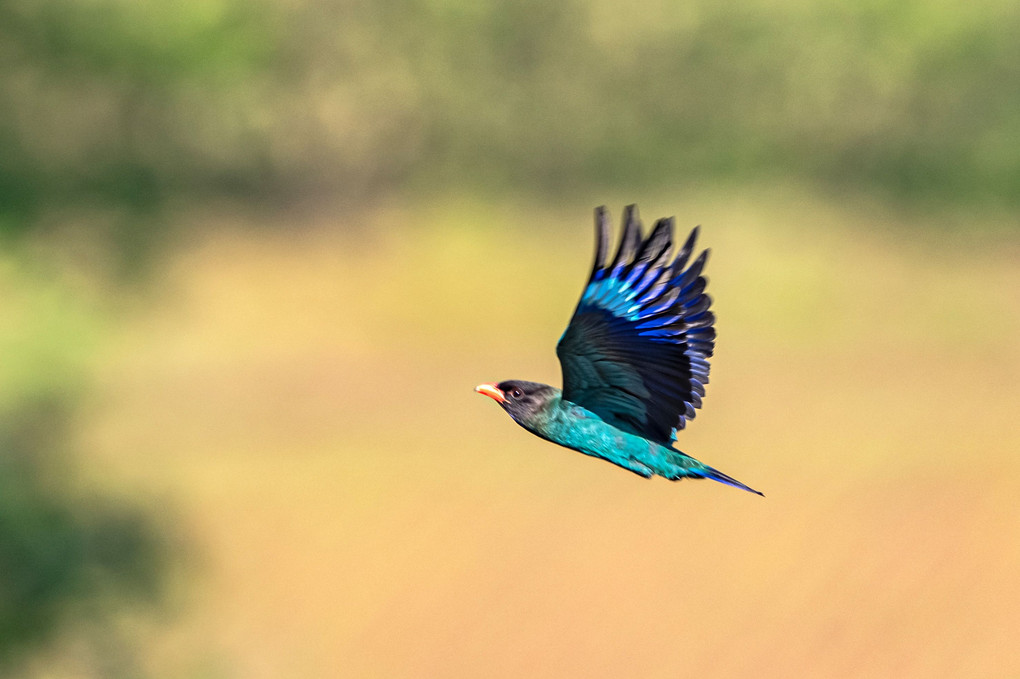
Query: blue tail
[[717, 475], [678, 465]]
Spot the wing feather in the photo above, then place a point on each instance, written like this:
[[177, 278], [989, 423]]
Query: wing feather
[[637, 347]]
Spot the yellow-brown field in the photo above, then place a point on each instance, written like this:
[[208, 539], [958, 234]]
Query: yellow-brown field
[[300, 402]]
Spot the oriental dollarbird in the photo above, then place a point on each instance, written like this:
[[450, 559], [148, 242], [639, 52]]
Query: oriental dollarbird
[[634, 358]]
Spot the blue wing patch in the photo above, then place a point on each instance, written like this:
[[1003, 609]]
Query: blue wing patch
[[637, 347]]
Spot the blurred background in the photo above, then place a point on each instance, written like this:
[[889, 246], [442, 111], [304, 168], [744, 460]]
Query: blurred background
[[255, 255]]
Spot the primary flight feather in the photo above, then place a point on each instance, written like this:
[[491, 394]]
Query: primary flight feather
[[634, 357]]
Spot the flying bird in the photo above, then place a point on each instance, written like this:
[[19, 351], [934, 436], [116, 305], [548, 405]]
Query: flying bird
[[634, 358]]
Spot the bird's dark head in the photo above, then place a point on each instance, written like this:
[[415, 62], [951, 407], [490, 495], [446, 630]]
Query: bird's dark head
[[521, 400]]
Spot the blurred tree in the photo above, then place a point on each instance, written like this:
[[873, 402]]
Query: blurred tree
[[914, 101], [117, 107], [74, 559], [134, 105], [65, 557]]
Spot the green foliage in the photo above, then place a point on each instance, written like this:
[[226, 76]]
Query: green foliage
[[103, 105], [134, 104], [71, 557], [64, 556], [913, 101]]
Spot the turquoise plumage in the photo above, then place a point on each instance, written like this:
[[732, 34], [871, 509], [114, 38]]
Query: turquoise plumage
[[634, 358]]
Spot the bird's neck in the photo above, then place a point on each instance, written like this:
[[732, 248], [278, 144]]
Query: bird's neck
[[562, 422], [545, 420]]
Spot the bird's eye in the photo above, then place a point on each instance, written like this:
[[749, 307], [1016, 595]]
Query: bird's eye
[[516, 393]]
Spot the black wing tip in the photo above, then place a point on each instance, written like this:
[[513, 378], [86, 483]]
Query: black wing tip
[[632, 221], [630, 240], [632, 224], [661, 233], [601, 238], [632, 218]]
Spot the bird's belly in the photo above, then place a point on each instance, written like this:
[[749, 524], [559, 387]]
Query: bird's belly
[[587, 433]]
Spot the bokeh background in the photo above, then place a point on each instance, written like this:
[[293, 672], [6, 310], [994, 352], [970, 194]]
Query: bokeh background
[[255, 255]]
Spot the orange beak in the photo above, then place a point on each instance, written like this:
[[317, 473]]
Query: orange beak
[[492, 391]]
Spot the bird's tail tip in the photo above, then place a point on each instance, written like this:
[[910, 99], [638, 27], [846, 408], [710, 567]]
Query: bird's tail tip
[[717, 475]]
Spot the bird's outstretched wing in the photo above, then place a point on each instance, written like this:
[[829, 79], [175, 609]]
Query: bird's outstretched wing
[[636, 350]]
